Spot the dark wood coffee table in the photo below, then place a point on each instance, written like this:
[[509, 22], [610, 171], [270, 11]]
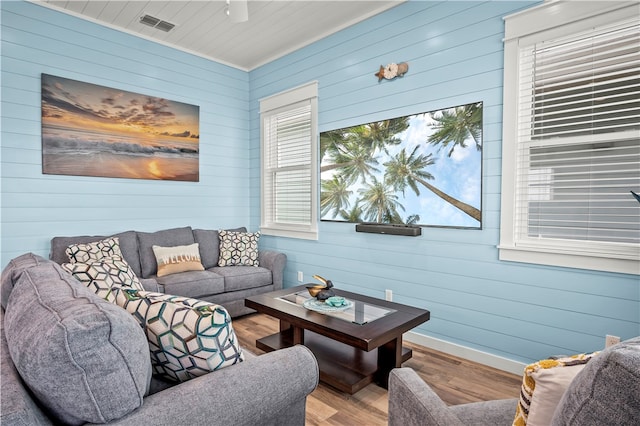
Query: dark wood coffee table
[[343, 341]]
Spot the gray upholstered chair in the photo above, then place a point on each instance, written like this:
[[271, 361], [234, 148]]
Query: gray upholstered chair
[[605, 392]]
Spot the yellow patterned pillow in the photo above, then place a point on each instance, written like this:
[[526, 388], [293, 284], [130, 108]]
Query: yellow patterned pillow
[[176, 259], [543, 384]]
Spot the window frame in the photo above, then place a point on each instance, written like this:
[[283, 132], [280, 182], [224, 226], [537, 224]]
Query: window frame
[[553, 19], [281, 102]]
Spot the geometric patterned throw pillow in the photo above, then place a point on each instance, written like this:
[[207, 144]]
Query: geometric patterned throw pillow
[[238, 248], [86, 253], [102, 275], [543, 384], [187, 337]]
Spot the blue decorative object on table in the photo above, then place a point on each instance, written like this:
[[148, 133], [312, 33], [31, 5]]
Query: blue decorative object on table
[[336, 301]]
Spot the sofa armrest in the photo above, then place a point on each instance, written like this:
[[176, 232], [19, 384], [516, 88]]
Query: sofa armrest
[[268, 389], [413, 402], [275, 261]]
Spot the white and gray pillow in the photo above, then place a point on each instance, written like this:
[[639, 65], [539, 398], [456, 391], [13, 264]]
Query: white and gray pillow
[[238, 248], [100, 276], [89, 252], [187, 337]]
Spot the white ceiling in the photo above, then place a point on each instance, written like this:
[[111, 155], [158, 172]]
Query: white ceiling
[[274, 29]]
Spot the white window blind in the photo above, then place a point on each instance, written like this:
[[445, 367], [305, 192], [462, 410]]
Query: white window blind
[[579, 141], [571, 136], [288, 166], [289, 169]]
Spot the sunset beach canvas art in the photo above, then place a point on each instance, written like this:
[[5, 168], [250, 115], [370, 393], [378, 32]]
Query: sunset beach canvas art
[[92, 130]]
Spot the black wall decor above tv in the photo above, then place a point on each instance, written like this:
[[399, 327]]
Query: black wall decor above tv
[[423, 169]]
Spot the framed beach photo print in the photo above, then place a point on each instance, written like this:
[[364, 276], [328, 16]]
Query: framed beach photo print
[[91, 130]]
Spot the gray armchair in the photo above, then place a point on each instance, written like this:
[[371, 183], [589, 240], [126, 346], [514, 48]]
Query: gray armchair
[[413, 402], [605, 392]]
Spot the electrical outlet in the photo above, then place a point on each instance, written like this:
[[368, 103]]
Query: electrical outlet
[[610, 340], [388, 295], [300, 276]]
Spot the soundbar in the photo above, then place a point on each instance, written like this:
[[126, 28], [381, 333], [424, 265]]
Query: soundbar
[[389, 228]]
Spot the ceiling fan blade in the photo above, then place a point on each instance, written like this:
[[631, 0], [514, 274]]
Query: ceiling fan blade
[[238, 11]]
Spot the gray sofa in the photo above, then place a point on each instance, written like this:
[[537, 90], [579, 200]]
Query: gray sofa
[[70, 357], [605, 392], [227, 286]]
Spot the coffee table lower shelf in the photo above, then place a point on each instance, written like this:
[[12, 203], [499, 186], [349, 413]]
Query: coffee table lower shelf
[[344, 367]]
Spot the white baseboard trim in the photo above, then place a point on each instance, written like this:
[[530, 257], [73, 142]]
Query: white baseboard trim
[[474, 355]]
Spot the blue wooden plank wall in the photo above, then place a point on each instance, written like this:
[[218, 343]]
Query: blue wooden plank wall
[[517, 311], [36, 207]]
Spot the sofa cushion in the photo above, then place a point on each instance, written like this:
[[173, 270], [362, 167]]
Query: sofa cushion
[[172, 260], [97, 250], [543, 384], [187, 337], [101, 275], [238, 248], [165, 238], [209, 241], [195, 284], [243, 277], [151, 284], [494, 412], [606, 391], [128, 242], [83, 358]]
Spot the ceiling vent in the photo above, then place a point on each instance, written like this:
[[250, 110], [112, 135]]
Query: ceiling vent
[[156, 23]]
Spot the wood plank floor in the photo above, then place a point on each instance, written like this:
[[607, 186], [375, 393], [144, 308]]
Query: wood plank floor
[[456, 381]]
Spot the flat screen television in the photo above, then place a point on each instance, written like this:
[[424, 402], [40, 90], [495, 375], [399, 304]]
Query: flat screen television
[[423, 169]]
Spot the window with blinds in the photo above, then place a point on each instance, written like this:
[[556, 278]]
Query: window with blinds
[[288, 159], [288, 165], [579, 137], [571, 141]]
